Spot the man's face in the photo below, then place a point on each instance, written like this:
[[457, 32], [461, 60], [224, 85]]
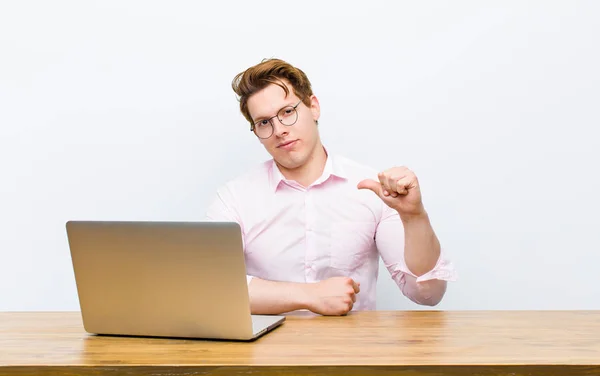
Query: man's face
[[290, 146]]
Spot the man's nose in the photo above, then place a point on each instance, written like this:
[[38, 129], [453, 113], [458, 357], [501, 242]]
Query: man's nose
[[280, 129]]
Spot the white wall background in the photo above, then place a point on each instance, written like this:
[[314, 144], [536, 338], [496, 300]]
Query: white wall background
[[123, 110]]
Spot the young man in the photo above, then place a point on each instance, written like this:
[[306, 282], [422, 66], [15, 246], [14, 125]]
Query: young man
[[314, 224]]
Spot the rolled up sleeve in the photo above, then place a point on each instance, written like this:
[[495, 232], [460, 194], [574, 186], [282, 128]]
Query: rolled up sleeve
[[427, 289]]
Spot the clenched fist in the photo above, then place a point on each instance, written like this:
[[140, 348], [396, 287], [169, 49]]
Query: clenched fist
[[333, 297]]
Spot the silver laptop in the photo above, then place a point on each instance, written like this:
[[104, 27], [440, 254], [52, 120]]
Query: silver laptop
[[164, 279]]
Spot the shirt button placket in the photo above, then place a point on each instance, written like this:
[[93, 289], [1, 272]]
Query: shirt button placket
[[310, 238]]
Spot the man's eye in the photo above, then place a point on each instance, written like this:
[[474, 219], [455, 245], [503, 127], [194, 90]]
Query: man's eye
[[263, 123]]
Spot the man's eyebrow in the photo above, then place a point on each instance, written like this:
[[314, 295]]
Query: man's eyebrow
[[262, 117]]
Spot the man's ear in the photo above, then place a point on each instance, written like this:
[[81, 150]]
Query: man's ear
[[315, 108]]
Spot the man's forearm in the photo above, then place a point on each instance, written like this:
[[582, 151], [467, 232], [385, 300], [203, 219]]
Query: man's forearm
[[421, 245], [273, 298]]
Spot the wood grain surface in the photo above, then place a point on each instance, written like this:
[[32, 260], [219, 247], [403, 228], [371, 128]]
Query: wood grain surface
[[382, 342]]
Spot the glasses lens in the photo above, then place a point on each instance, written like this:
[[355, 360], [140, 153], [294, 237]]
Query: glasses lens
[[288, 115], [263, 129]]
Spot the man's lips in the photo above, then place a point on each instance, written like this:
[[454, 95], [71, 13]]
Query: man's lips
[[287, 144]]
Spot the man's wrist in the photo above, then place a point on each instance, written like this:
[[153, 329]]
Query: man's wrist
[[305, 294], [414, 217]]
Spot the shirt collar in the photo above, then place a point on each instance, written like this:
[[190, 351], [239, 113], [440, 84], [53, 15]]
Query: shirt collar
[[333, 167]]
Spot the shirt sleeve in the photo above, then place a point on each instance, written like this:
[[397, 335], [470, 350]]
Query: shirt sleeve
[[427, 289], [223, 208]]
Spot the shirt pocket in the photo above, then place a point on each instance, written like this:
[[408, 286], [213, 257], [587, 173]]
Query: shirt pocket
[[351, 243]]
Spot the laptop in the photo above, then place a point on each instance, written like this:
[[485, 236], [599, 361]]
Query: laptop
[[164, 279]]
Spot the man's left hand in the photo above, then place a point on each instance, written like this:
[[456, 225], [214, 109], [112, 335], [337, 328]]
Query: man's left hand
[[399, 188]]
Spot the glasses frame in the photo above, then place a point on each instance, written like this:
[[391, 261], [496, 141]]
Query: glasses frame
[[270, 120]]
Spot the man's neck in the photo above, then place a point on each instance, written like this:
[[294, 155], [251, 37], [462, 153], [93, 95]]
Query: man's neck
[[308, 173]]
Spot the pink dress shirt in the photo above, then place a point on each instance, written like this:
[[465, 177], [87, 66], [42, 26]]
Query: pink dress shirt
[[296, 234]]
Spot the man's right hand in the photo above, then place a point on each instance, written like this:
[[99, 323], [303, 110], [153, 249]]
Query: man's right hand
[[332, 297]]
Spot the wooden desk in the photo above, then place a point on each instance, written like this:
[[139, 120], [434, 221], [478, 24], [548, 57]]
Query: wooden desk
[[399, 343]]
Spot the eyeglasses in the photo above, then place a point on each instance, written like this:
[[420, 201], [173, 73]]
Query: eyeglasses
[[265, 128]]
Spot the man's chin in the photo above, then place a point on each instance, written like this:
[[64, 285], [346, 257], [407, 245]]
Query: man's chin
[[289, 163]]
